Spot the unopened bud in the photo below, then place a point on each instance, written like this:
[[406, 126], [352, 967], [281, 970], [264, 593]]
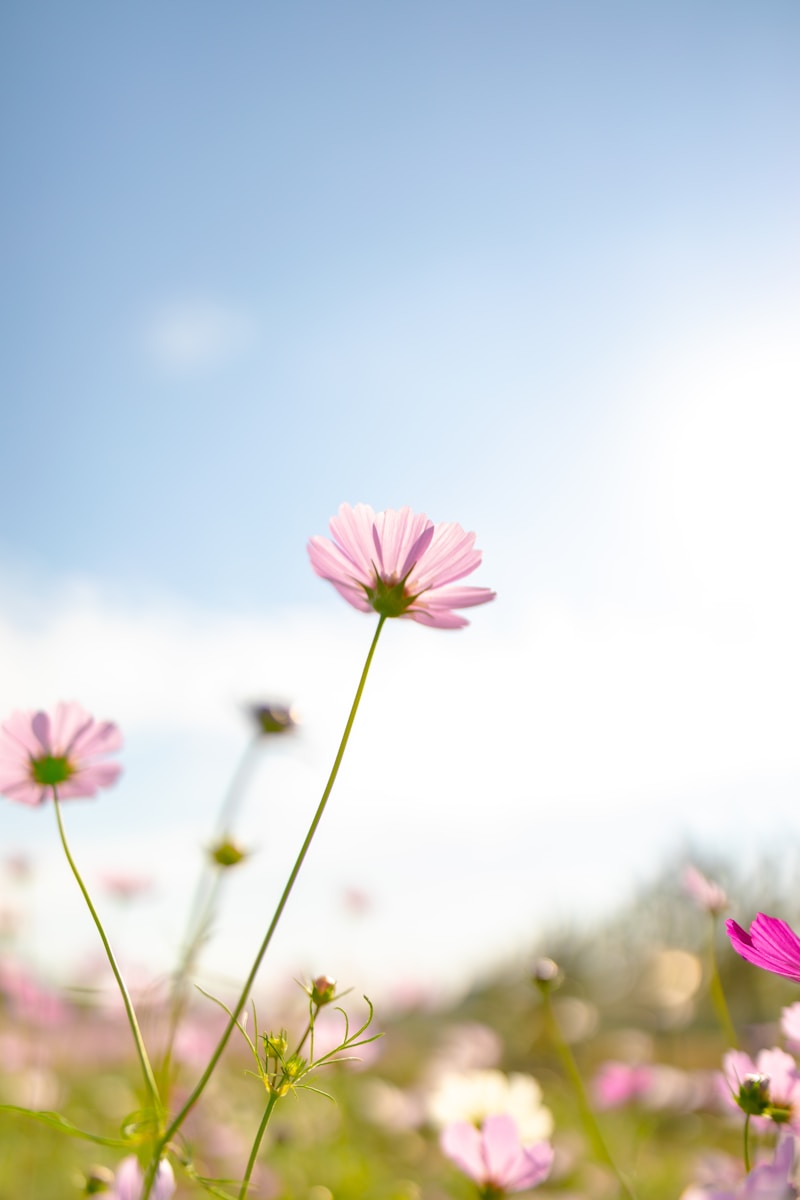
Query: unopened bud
[[276, 1044], [273, 718], [547, 974], [98, 1179], [322, 990], [227, 854], [753, 1097]]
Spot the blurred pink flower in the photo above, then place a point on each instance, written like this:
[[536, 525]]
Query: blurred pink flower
[[399, 563], [705, 893], [767, 1086], [618, 1083], [767, 1180], [493, 1155], [129, 1181], [40, 751], [770, 944], [790, 1026]]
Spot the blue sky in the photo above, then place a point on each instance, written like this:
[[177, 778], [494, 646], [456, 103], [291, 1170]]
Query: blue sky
[[529, 266]]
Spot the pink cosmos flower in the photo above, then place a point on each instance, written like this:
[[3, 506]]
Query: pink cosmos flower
[[790, 1026], [618, 1083], [770, 944], [768, 1086], [41, 751], [399, 564], [705, 893], [493, 1155], [767, 1181], [129, 1181]]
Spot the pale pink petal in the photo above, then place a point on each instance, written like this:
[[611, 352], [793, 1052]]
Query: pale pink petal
[[129, 1181], [463, 1145], [96, 738], [40, 725], [537, 1162], [501, 1148], [400, 538], [68, 722], [450, 556], [790, 1025], [436, 620], [330, 562], [17, 733], [353, 595], [456, 597], [26, 791], [352, 531]]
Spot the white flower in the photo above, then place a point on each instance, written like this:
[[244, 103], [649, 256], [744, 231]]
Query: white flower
[[474, 1095]]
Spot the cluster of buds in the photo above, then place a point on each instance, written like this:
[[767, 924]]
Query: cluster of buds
[[282, 1070]]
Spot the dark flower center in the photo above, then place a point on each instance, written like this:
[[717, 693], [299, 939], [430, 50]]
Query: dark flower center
[[51, 769]]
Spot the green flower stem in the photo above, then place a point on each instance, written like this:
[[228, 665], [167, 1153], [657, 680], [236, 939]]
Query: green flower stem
[[747, 1143], [147, 1070], [251, 1162], [717, 992], [189, 1104], [203, 906], [590, 1125]]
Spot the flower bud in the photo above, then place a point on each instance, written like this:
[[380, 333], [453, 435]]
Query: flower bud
[[276, 1044], [322, 990], [98, 1179], [547, 975], [753, 1095], [273, 718], [227, 854]]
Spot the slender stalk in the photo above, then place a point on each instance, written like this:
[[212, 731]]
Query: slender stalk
[[251, 1162], [189, 1104], [141, 1050], [201, 911], [590, 1125], [747, 1143], [717, 991]]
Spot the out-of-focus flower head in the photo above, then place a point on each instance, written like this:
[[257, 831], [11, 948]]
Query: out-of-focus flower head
[[475, 1095], [790, 1026], [767, 1086], [705, 893], [766, 1181], [124, 885], [64, 749], [619, 1083], [272, 719], [399, 564], [771, 944], [495, 1156], [129, 1181]]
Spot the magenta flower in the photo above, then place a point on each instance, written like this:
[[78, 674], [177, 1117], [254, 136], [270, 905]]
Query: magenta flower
[[770, 944], [41, 751], [399, 564], [493, 1155]]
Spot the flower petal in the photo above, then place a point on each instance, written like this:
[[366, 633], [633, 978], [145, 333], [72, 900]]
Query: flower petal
[[771, 944], [462, 1143]]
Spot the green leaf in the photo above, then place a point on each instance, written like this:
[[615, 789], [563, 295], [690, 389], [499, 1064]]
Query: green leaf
[[56, 1121]]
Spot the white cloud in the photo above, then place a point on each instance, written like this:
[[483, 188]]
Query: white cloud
[[496, 779]]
